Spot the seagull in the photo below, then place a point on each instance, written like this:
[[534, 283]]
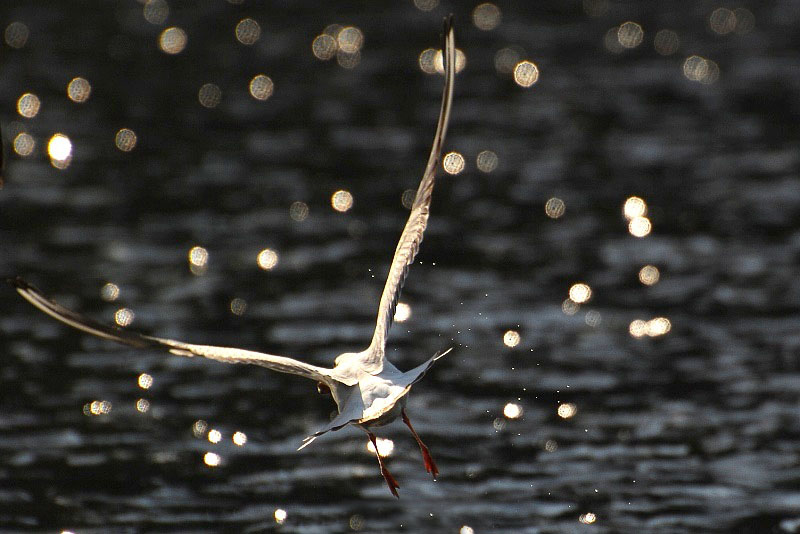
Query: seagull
[[369, 390]]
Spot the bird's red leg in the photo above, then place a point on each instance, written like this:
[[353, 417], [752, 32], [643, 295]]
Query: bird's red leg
[[387, 476], [430, 465]]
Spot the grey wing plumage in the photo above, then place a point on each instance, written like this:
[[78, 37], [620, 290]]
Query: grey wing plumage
[[134, 339], [410, 240], [351, 410]]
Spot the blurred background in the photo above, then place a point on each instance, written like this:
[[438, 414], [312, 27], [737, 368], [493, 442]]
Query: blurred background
[[613, 252]]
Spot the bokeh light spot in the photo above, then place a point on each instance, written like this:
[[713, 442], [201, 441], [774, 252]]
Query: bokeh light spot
[[666, 42], [630, 34], [640, 227], [124, 316], [324, 47], [261, 87], [526, 73], [385, 447], [267, 259], [567, 410], [580, 293], [453, 163], [486, 161], [512, 410], [511, 338], [209, 95], [28, 105], [402, 312], [298, 211], [125, 140], [248, 31], [486, 16], [649, 275], [79, 89], [16, 35], [555, 208], [342, 200], [24, 144], [172, 40]]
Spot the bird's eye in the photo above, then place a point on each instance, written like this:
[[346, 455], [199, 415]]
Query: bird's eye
[[323, 389]]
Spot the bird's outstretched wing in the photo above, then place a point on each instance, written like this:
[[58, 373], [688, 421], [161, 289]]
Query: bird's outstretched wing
[[411, 237], [134, 339]]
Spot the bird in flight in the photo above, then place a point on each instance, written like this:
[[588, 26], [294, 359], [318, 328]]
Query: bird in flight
[[368, 390]]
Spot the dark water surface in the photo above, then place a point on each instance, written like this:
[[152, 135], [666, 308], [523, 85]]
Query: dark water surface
[[697, 430]]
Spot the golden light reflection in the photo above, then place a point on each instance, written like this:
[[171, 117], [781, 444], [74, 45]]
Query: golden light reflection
[[649, 275], [145, 381], [555, 208], [267, 259], [350, 40], [595, 8], [385, 447], [570, 307], [172, 40], [155, 11], [212, 459], [461, 61], [248, 31], [214, 436], [125, 139], [109, 292], [427, 60], [637, 328], [239, 438], [198, 257], [580, 293], [630, 34], [79, 89], [342, 200], [142, 405], [640, 227], [511, 338], [426, 5], [634, 207], [567, 410], [466, 530], [512, 410], [198, 260], [209, 95], [124, 316], [700, 69], [280, 516], [261, 87], [324, 47], [506, 59], [666, 42], [238, 306], [199, 428], [16, 34], [24, 144], [97, 408], [486, 16], [402, 312], [722, 21], [28, 105], [526, 73], [658, 326], [453, 163], [486, 161], [587, 518], [59, 148]]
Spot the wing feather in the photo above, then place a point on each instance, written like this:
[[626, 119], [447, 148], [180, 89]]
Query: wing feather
[[410, 239], [134, 339]]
